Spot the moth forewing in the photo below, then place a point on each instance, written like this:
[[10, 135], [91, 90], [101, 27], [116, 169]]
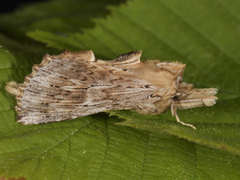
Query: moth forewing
[[75, 84]]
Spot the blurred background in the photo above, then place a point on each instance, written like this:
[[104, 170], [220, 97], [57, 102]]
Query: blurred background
[[11, 5]]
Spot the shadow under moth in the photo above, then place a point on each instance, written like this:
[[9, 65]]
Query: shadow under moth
[[75, 84]]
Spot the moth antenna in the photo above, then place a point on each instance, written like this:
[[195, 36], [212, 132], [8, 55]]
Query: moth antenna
[[174, 113]]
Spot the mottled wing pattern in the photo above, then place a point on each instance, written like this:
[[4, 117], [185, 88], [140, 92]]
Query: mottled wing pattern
[[72, 85]]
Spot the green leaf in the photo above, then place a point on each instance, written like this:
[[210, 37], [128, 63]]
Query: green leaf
[[203, 34], [58, 16]]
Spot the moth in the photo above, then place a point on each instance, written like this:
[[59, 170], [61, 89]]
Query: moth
[[75, 84]]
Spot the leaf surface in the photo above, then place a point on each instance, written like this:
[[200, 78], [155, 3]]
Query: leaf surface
[[203, 34]]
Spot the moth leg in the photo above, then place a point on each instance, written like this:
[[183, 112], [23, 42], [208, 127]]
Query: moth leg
[[174, 113]]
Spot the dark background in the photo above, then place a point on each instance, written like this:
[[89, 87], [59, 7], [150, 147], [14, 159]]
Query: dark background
[[7, 6]]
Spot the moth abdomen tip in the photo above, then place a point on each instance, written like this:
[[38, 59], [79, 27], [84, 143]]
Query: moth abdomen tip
[[13, 88]]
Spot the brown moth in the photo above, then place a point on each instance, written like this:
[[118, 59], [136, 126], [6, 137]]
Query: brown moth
[[75, 84]]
